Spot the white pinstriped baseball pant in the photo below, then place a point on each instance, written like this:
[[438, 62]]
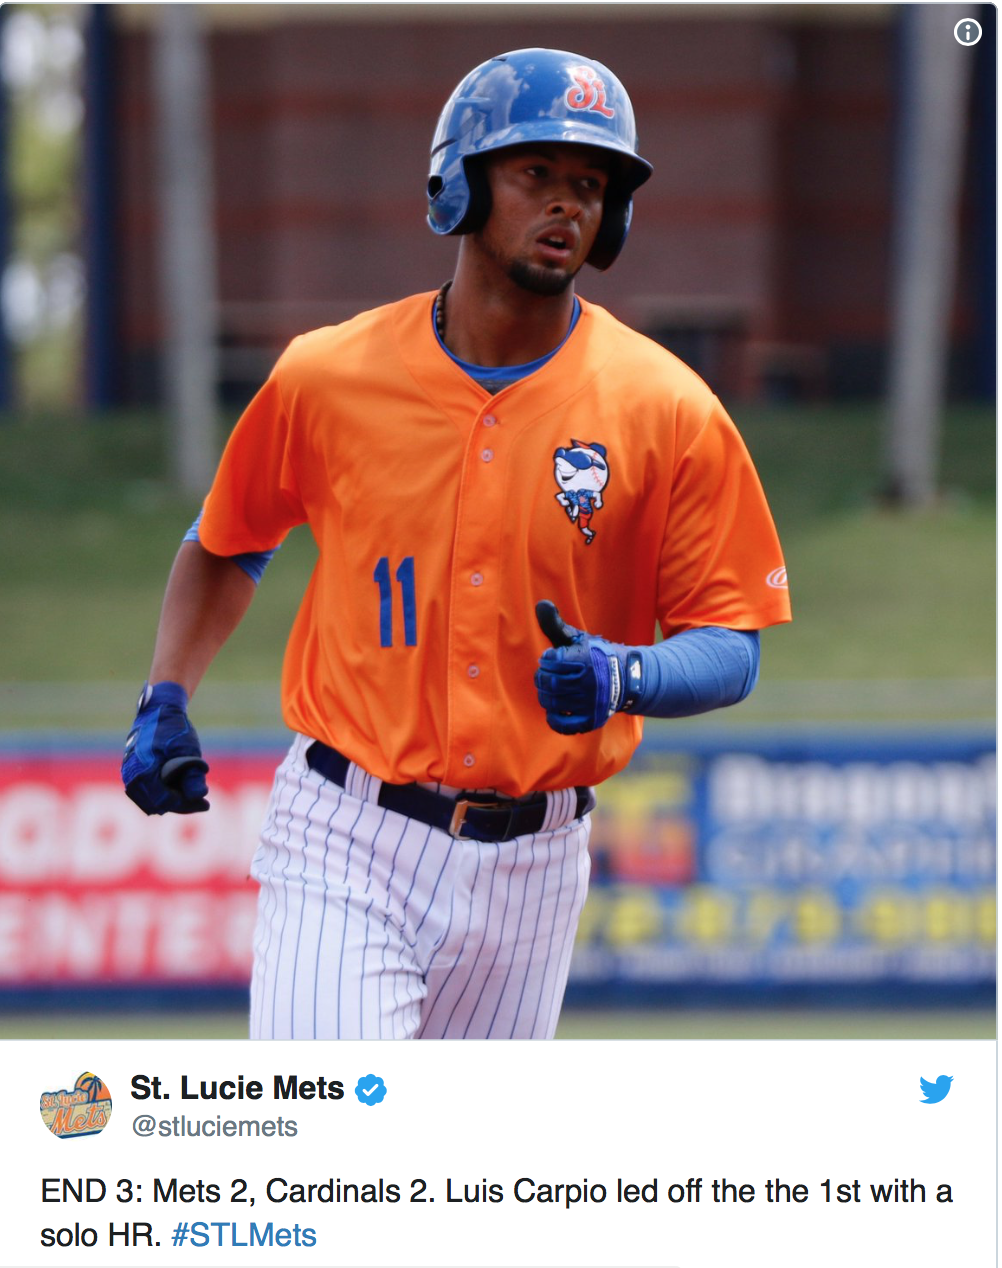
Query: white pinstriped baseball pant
[[375, 926]]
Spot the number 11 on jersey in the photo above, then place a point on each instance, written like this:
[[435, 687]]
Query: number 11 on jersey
[[405, 576]]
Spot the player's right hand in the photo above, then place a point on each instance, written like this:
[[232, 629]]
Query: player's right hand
[[163, 769]]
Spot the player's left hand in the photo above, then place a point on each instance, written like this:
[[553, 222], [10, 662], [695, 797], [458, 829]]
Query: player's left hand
[[163, 769], [582, 680]]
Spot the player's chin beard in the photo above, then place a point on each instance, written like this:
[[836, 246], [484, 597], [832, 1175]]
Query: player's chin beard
[[537, 280]]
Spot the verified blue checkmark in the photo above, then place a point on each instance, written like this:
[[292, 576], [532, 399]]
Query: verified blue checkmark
[[370, 1089]]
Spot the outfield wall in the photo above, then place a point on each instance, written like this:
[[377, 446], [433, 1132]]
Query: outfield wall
[[745, 867]]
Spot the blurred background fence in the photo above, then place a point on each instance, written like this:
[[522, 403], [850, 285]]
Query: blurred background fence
[[829, 843]]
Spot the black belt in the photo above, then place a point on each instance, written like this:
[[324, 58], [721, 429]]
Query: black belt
[[469, 816]]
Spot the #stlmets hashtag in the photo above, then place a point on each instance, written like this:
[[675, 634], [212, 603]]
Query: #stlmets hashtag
[[226, 1233]]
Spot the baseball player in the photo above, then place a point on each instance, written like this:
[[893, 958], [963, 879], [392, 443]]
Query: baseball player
[[509, 490]]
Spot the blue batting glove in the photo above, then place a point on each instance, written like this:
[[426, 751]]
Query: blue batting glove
[[163, 769], [583, 679]]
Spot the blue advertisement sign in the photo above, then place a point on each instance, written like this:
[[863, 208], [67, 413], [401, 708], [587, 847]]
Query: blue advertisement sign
[[795, 863]]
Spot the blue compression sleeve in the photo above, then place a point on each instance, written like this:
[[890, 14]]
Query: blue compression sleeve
[[697, 671], [253, 563]]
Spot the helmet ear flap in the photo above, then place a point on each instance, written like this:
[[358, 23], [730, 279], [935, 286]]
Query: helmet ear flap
[[616, 217], [478, 208]]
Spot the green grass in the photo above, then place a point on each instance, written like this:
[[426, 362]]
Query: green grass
[[681, 1024], [881, 595], [878, 595], [778, 1024], [97, 528], [823, 460]]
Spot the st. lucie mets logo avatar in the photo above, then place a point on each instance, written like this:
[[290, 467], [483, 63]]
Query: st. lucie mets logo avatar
[[83, 1110], [581, 472]]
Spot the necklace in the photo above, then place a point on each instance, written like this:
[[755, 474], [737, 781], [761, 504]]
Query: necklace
[[440, 309]]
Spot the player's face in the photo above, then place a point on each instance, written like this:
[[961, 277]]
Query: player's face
[[546, 208]]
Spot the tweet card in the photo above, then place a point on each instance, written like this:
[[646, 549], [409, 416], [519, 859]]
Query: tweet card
[[592, 1154], [817, 245]]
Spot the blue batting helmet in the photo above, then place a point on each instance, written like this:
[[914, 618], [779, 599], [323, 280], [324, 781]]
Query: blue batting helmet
[[534, 94]]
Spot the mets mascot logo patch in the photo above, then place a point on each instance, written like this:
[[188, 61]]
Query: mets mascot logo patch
[[581, 472]]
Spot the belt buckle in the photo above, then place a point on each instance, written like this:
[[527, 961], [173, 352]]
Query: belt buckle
[[463, 804], [458, 818]]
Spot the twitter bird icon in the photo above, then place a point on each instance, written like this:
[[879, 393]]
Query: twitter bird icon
[[934, 1092]]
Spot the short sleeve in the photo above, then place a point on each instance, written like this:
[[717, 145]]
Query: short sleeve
[[721, 561], [255, 498]]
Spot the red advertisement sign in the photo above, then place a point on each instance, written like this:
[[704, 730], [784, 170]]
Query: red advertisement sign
[[91, 890]]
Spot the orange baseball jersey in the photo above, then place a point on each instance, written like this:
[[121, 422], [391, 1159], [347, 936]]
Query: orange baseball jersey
[[610, 480]]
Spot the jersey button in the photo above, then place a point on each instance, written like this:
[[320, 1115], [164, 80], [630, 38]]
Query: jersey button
[[469, 760], [477, 579], [487, 455], [473, 671], [489, 420]]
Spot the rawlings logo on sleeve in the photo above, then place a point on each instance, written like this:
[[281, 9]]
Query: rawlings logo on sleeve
[[589, 93], [581, 472]]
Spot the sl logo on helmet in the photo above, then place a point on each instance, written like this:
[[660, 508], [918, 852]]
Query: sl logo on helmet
[[589, 93]]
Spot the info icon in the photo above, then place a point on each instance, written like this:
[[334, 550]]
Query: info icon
[[82, 1110], [967, 31]]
